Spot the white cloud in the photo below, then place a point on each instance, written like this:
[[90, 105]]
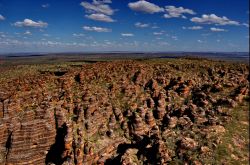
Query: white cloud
[[155, 27], [144, 6], [78, 35], [141, 25], [45, 5], [46, 35], [163, 44], [206, 34], [98, 7], [199, 41], [157, 33], [213, 29], [100, 17], [27, 33], [30, 23], [193, 28], [99, 10], [127, 34], [2, 17], [214, 19], [176, 12], [43, 43], [174, 38], [96, 29], [102, 1], [246, 24], [232, 45], [2, 35]]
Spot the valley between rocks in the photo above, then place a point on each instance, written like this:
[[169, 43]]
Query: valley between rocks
[[119, 112]]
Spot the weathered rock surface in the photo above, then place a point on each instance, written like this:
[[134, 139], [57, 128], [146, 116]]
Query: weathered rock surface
[[119, 113]]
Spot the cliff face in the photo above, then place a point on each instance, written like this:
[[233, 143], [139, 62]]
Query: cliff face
[[119, 113]]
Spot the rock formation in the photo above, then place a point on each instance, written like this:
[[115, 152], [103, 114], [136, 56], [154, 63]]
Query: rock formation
[[121, 112]]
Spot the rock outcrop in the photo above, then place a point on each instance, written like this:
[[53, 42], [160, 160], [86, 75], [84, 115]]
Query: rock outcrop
[[122, 112]]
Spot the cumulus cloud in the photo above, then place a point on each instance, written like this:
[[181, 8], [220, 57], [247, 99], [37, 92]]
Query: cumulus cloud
[[100, 17], [27, 33], [45, 5], [174, 38], [213, 29], [141, 25], [78, 35], [163, 44], [200, 41], [2, 35], [46, 35], [39, 44], [157, 33], [2, 17], [246, 24], [30, 23], [176, 12], [102, 1], [214, 19], [145, 7], [96, 29], [127, 34], [193, 27], [98, 7], [155, 27], [99, 10]]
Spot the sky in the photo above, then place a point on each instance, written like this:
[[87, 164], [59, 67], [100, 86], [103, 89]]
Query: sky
[[124, 25]]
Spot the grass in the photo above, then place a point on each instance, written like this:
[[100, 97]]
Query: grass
[[234, 148]]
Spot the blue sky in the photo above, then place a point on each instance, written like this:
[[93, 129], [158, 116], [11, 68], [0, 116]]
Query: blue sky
[[123, 25]]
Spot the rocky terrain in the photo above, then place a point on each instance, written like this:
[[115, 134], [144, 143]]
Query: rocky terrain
[[120, 112]]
